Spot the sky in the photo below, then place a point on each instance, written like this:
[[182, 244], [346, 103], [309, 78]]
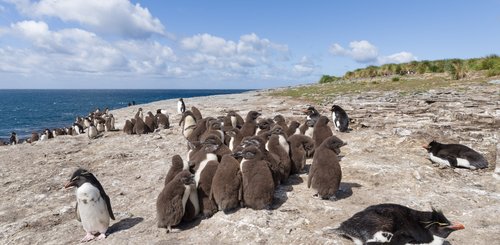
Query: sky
[[227, 44]]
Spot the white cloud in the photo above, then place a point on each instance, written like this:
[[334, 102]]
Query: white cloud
[[401, 57], [365, 52], [305, 67], [361, 51], [206, 43], [117, 17]]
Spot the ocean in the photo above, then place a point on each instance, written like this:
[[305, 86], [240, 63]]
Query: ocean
[[25, 111]]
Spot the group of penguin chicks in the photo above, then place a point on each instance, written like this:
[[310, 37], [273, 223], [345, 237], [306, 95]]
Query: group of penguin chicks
[[94, 123], [233, 163]]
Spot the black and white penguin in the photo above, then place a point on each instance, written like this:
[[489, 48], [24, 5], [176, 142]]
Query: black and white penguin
[[396, 224], [258, 185], [181, 107], [325, 172], [226, 184], [93, 206], [13, 140], [162, 120], [48, 134], [300, 145], [92, 131], [171, 202], [340, 119], [455, 155], [321, 131], [312, 113], [78, 128], [250, 125]]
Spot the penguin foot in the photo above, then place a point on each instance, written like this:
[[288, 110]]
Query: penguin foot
[[101, 236], [87, 237]]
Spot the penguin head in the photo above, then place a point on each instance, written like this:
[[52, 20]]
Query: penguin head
[[251, 153], [233, 132], [440, 226], [334, 143], [310, 111], [278, 130], [279, 118], [211, 143], [294, 124], [80, 177], [264, 124], [432, 145], [252, 115], [158, 111], [323, 120], [335, 108], [185, 177]]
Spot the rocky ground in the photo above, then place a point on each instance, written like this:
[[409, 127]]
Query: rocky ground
[[383, 162]]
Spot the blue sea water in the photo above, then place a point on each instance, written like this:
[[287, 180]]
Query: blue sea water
[[25, 111]]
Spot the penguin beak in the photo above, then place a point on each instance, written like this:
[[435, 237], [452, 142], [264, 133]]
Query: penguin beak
[[456, 226], [425, 147], [68, 184]]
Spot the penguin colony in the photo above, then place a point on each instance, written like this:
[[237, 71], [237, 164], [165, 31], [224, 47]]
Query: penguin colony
[[236, 163], [92, 125]]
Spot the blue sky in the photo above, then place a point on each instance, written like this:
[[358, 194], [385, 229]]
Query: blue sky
[[229, 44]]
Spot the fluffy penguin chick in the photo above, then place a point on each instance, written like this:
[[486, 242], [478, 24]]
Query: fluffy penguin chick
[[396, 224], [258, 186], [325, 173], [455, 155], [171, 202], [93, 207], [177, 166], [226, 184], [299, 146]]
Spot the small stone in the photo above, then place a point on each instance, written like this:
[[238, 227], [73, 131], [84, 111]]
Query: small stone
[[416, 174]]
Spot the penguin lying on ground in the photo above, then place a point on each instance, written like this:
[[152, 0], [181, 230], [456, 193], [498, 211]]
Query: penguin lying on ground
[[93, 207], [455, 155], [398, 225]]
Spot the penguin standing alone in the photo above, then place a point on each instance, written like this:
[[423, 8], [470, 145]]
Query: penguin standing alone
[[340, 119], [396, 224], [93, 207], [181, 107]]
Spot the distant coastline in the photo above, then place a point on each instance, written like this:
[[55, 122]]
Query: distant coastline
[[27, 110]]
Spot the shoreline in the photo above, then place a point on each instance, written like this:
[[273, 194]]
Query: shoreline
[[40, 129]]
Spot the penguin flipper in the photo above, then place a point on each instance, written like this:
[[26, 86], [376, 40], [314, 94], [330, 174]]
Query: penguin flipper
[[77, 213], [108, 204]]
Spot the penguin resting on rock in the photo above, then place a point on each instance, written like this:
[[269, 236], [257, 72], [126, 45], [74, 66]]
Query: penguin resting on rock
[[93, 207], [398, 225]]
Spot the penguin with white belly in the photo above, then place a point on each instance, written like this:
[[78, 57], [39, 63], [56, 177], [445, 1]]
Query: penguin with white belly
[[455, 155], [93, 206]]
